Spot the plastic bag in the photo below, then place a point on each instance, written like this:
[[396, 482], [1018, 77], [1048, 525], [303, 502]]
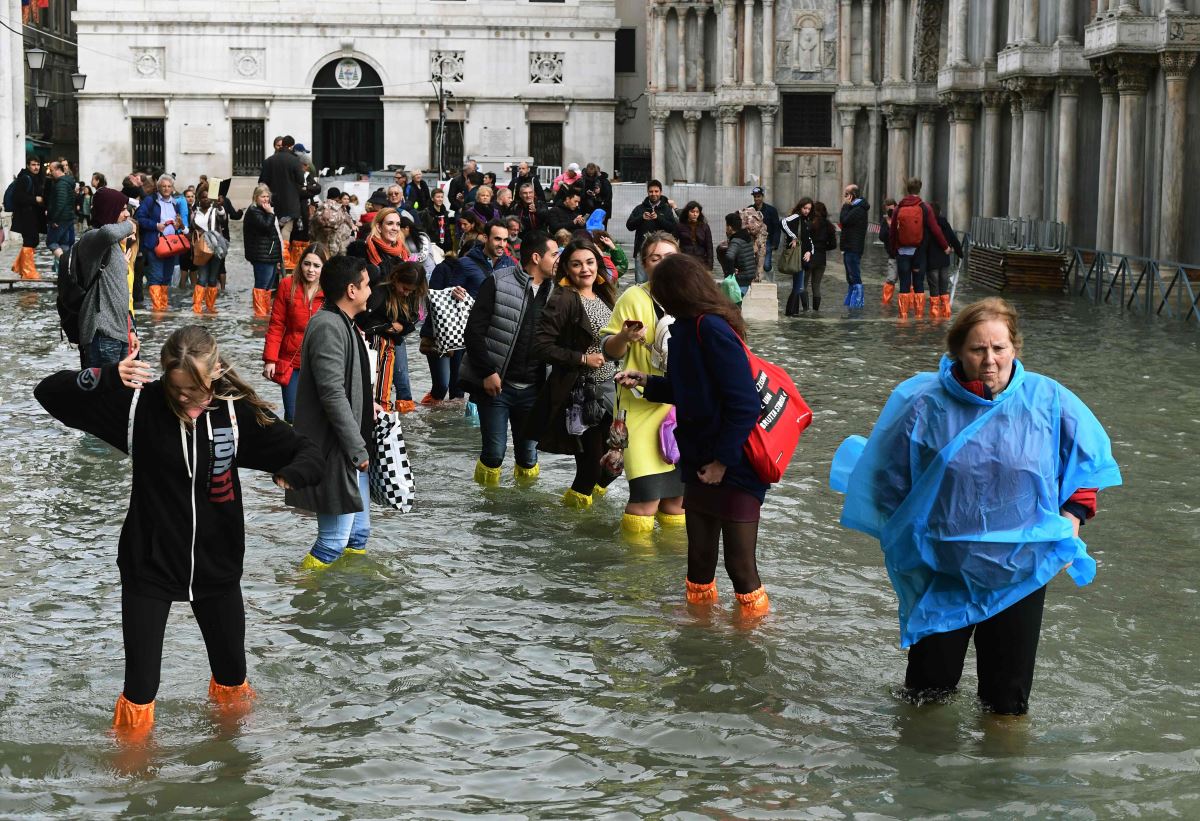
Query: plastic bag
[[732, 290]]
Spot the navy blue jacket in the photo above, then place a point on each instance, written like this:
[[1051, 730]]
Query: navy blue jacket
[[716, 404], [774, 224], [476, 267]]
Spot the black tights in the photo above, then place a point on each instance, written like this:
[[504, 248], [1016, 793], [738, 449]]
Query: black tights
[[222, 621], [741, 538], [587, 463], [1005, 651]]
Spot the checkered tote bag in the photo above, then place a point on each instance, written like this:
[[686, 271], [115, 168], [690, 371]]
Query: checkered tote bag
[[449, 320], [392, 483]]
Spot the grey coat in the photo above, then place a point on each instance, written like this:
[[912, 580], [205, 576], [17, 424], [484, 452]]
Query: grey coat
[[106, 308], [329, 410]]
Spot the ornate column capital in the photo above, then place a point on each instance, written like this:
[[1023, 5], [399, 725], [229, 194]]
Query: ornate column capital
[[848, 117], [768, 112], [692, 116], [927, 115], [1105, 75], [1069, 86], [658, 118], [993, 100], [899, 116], [963, 105], [729, 114], [1133, 73], [1177, 65], [1034, 91]]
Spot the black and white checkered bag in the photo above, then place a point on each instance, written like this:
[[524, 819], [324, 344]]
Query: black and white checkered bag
[[449, 320], [391, 476]]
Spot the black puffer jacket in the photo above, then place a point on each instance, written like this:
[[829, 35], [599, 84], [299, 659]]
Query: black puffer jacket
[[854, 226], [261, 236], [738, 258]]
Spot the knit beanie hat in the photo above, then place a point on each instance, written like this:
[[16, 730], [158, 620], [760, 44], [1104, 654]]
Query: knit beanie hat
[[107, 205]]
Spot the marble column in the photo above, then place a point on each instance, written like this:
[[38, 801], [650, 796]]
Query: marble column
[[1016, 138], [991, 27], [873, 186], [868, 72], [1132, 81], [1068, 153], [1066, 22], [895, 43], [691, 122], [1035, 94], [768, 42], [727, 37], [926, 142], [963, 114], [747, 45], [847, 118], [700, 50], [658, 157], [844, 43], [767, 114], [1014, 21], [1106, 190], [729, 121], [956, 47], [1029, 23], [1176, 66], [660, 45], [651, 48], [993, 102], [900, 125], [681, 47], [1127, 8]]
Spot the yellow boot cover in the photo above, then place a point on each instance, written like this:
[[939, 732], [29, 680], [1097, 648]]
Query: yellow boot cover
[[575, 499], [132, 722], [525, 475], [701, 593], [226, 696], [633, 524], [671, 519], [486, 476], [356, 551], [754, 603], [311, 562], [599, 491]]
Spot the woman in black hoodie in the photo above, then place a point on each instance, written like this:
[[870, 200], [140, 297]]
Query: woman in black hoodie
[[184, 535]]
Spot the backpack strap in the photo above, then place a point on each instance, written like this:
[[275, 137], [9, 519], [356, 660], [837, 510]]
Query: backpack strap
[[133, 403], [233, 423]]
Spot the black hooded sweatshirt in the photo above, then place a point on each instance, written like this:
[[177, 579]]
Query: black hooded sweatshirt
[[184, 535]]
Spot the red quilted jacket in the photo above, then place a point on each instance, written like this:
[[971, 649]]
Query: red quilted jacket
[[289, 318]]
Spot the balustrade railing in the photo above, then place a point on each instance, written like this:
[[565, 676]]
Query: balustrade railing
[[1137, 284]]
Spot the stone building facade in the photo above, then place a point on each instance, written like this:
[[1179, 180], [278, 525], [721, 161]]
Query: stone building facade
[[203, 88], [1069, 110]]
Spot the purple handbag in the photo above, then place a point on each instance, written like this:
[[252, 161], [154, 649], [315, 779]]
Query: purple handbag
[[667, 446]]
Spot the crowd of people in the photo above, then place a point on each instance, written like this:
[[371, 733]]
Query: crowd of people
[[653, 382]]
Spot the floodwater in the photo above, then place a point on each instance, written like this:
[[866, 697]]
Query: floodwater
[[495, 654]]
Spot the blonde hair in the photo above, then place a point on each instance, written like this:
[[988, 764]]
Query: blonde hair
[[656, 238], [193, 350], [985, 310], [380, 216], [259, 190]]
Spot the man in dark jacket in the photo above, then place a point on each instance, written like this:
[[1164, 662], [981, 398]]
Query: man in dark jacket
[[26, 220], [736, 253], [499, 369], [853, 220], [770, 219], [655, 213], [60, 211], [597, 191], [438, 223], [567, 214], [523, 174], [529, 210], [283, 173], [484, 259], [457, 192]]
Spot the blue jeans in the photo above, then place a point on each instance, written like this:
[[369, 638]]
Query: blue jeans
[[400, 372], [60, 236], [337, 531], [160, 271], [289, 396], [497, 414], [798, 282], [770, 255], [208, 275], [264, 275], [104, 350], [910, 274], [444, 371], [853, 263]]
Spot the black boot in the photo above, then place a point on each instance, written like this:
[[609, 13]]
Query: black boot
[[804, 300], [816, 303], [793, 305]]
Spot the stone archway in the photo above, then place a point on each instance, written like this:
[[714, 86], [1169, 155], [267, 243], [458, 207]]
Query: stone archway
[[347, 115]]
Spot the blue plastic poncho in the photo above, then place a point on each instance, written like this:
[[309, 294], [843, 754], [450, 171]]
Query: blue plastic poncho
[[964, 494]]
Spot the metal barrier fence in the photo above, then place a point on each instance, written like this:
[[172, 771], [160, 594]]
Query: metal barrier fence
[[1138, 284], [1020, 234]]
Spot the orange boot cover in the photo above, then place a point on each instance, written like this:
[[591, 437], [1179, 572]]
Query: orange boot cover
[[210, 299], [132, 722], [262, 302], [28, 265], [702, 593], [920, 299], [889, 288], [935, 306], [905, 302], [238, 697], [160, 297], [945, 300], [295, 251], [197, 300], [754, 603]]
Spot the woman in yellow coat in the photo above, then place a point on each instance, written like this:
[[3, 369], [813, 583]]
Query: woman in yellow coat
[[634, 335]]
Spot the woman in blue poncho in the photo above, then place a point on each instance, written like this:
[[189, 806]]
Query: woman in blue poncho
[[975, 480]]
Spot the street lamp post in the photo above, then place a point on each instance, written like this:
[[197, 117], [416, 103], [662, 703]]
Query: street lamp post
[[35, 58], [77, 81]]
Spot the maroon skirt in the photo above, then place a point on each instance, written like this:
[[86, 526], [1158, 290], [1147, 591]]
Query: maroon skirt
[[726, 502]]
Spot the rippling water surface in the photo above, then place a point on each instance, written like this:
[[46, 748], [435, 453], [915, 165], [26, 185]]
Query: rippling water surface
[[495, 654]]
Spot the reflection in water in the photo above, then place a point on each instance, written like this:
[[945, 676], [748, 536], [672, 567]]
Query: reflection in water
[[497, 654]]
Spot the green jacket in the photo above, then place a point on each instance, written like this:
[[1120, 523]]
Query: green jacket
[[60, 200]]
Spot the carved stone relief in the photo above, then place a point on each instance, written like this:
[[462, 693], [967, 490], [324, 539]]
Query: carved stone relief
[[928, 38], [807, 52], [546, 67], [148, 63], [448, 65]]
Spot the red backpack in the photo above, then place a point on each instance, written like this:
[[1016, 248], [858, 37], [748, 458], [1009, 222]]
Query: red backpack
[[782, 417], [910, 225]]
